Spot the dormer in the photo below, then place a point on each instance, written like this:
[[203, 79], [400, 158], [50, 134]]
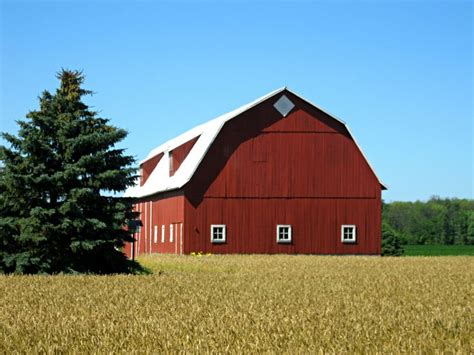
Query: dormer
[[148, 166]]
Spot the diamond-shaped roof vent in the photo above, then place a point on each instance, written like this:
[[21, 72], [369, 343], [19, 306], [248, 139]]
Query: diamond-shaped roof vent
[[284, 105]]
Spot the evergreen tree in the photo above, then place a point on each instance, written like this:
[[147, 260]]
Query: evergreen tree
[[57, 212], [391, 244]]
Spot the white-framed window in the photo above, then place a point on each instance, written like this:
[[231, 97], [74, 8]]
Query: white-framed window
[[283, 233], [171, 233], [156, 234], [218, 233], [348, 233], [162, 233]]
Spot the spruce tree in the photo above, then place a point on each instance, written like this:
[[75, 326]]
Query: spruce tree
[[59, 178]]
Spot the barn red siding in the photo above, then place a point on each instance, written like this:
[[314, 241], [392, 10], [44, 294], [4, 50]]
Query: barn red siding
[[289, 164], [180, 153], [304, 170], [148, 166], [316, 225], [165, 210], [300, 120]]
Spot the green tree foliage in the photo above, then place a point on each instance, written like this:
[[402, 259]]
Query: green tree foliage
[[436, 221], [59, 175], [470, 229], [391, 243]]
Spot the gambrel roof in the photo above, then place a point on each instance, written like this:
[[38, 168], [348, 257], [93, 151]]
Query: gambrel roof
[[160, 179]]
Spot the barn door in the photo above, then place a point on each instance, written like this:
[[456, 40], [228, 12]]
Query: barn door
[[178, 238]]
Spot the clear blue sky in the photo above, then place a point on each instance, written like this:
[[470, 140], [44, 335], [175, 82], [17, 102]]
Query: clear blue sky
[[399, 73]]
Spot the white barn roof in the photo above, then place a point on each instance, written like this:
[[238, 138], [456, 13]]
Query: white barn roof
[[159, 179]]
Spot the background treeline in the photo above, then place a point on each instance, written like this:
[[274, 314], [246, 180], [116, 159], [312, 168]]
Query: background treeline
[[436, 221]]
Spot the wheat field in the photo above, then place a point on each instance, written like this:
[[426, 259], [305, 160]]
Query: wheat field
[[247, 304]]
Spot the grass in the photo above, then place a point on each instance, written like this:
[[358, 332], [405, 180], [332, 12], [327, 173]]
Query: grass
[[438, 250], [243, 304]]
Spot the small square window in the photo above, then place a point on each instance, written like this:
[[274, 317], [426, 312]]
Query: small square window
[[284, 233], [348, 233], [218, 234]]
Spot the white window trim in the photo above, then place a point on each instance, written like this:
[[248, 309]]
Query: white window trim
[[354, 233], [224, 233], [156, 234], [163, 233], [171, 234], [290, 234]]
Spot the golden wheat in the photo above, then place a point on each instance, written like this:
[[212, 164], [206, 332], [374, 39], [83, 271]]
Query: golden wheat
[[247, 304]]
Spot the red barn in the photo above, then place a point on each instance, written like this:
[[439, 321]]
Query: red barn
[[278, 175]]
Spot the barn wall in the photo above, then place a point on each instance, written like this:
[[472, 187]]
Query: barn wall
[[159, 211], [304, 170], [316, 225]]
